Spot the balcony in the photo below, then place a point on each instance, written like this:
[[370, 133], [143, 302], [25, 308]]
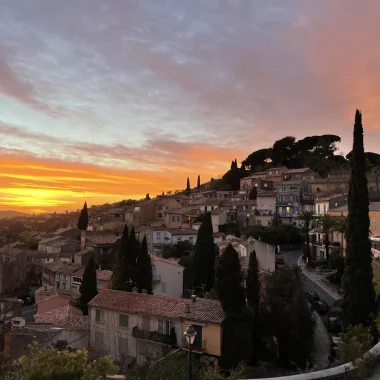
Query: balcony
[[154, 336], [195, 348]]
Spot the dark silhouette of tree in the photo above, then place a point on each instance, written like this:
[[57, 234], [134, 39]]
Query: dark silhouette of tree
[[252, 282], [147, 197], [88, 289], [144, 269], [253, 193], [358, 291], [83, 218], [204, 257], [199, 182]]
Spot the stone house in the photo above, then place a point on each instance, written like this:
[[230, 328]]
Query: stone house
[[137, 327], [182, 217]]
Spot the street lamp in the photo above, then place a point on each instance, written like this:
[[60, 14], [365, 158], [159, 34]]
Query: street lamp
[[190, 335]]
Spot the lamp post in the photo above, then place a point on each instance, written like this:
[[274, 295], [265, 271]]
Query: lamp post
[[190, 335]]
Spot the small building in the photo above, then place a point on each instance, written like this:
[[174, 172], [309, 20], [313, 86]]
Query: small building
[[137, 327], [47, 298], [167, 277]]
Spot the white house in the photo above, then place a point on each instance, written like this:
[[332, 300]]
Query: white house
[[167, 277]]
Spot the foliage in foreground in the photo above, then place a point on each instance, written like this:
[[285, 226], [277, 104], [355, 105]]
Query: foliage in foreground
[[59, 365], [176, 368], [356, 341], [286, 317]]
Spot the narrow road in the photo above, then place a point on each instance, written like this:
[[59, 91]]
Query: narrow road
[[291, 258]]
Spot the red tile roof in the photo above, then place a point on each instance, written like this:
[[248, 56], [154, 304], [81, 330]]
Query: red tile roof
[[66, 316], [295, 171], [203, 310], [103, 275], [167, 261], [102, 238], [44, 293]]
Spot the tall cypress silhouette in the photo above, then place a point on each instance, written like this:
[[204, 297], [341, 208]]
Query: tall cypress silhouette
[[83, 218], [144, 269], [358, 291], [88, 289]]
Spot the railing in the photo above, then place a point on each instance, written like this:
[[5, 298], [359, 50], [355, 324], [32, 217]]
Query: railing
[[194, 348], [344, 371], [153, 336]]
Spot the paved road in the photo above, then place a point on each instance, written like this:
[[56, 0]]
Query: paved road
[[291, 258]]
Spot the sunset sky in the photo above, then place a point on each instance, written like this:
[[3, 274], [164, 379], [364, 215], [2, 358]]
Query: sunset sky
[[106, 100]]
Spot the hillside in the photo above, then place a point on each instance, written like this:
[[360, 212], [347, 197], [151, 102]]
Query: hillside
[[10, 214]]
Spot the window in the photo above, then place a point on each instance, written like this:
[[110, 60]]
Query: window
[[163, 287], [160, 328], [373, 223], [123, 346], [178, 218], [319, 209], [123, 320], [173, 218], [270, 172], [179, 238], [324, 209], [99, 316], [276, 171], [168, 326], [99, 339], [77, 280], [98, 286], [259, 222]]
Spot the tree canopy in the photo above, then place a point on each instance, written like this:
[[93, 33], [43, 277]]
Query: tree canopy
[[83, 218]]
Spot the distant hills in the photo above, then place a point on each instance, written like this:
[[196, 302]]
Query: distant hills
[[10, 214]]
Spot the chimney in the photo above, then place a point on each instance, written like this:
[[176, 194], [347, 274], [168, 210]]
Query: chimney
[[18, 322], [187, 308], [194, 298]]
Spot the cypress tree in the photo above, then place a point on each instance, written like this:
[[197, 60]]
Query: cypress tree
[[253, 282], [88, 289], [133, 246], [237, 325], [229, 284], [144, 269], [199, 182], [83, 218], [358, 291], [205, 254], [187, 191], [253, 193]]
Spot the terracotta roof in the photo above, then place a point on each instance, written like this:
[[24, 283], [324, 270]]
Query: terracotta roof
[[50, 239], [373, 206], [266, 193], [102, 238], [81, 253], [217, 211], [103, 275], [60, 266], [54, 266], [292, 182], [320, 198], [205, 202], [295, 171], [205, 310], [62, 230], [244, 202], [167, 261], [42, 294], [66, 316], [182, 210]]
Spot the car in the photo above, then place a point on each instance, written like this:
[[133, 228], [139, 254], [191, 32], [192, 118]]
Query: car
[[321, 307], [312, 296], [279, 260], [27, 299]]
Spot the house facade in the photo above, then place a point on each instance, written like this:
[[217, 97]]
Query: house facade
[[136, 327], [167, 277]]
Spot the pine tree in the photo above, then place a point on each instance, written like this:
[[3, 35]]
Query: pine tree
[[205, 254], [88, 289], [358, 291], [83, 218], [199, 182], [229, 284], [253, 193], [253, 282], [144, 269]]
